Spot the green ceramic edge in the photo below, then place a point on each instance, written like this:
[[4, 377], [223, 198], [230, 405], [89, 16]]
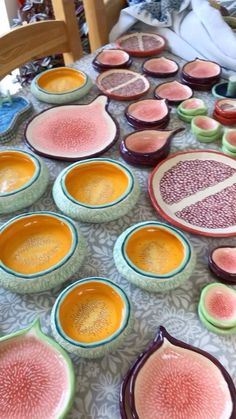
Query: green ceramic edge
[[213, 328], [213, 91], [223, 324], [10, 132], [200, 110], [35, 328], [226, 144], [61, 69], [153, 284], [183, 117], [211, 139], [205, 133], [100, 348], [227, 151], [95, 214], [55, 275]]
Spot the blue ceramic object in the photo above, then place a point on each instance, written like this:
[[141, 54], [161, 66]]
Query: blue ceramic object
[[13, 111]]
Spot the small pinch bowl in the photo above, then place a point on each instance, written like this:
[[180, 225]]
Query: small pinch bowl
[[229, 140], [96, 190], [91, 317], [205, 126], [193, 107], [61, 85], [148, 113], [23, 179], [219, 269], [226, 108], [160, 67], [223, 120], [39, 251], [135, 257], [201, 71], [111, 58], [173, 91]]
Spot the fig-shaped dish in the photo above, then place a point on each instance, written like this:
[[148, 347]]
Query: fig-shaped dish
[[160, 67], [201, 71], [147, 147], [13, 111], [208, 179], [229, 140], [23, 179], [174, 91], [111, 58], [222, 262], [154, 256], [39, 251], [226, 108], [206, 129], [91, 317], [223, 119], [69, 133], [141, 44], [61, 85], [96, 190], [151, 389], [36, 377], [148, 113], [122, 84]]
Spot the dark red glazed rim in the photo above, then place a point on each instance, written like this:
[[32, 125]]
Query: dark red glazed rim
[[102, 67], [128, 384], [222, 119], [226, 113], [145, 53], [139, 123], [201, 80], [171, 102], [197, 86], [159, 74], [76, 158], [222, 275]]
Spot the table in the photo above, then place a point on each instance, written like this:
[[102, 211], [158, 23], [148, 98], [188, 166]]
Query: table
[[98, 382]]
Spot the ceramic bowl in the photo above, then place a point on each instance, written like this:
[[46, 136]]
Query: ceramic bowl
[[173, 91], [148, 113], [91, 317], [61, 85], [223, 120], [222, 263], [160, 67], [226, 108], [205, 128], [228, 152], [141, 44], [201, 71], [111, 58], [193, 107], [39, 250], [154, 256], [96, 190], [13, 111], [229, 140], [23, 179]]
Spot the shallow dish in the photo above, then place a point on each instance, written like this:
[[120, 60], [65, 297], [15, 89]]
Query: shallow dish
[[215, 329], [141, 44], [148, 113], [37, 376], [160, 67], [91, 317], [23, 180], [13, 111], [70, 133], [39, 251], [193, 107], [154, 256], [111, 58], [229, 140], [174, 91], [205, 126], [202, 71], [224, 120], [96, 190], [61, 85], [226, 107], [222, 262], [202, 87]]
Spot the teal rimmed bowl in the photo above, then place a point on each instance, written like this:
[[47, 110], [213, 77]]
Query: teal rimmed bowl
[[39, 250], [23, 179], [154, 256], [96, 190], [91, 317]]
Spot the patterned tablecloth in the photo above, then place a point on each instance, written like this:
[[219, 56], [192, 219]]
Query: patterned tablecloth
[[98, 382]]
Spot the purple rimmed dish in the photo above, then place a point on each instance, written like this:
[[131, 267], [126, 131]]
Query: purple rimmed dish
[[173, 91], [201, 71], [204, 87], [160, 67], [111, 58], [222, 263], [148, 113]]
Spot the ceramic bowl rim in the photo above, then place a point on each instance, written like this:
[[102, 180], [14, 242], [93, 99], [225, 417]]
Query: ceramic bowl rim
[[141, 122], [74, 242], [219, 272], [211, 327], [160, 73], [139, 52], [100, 66], [172, 101], [209, 78], [65, 92], [27, 108], [121, 198], [124, 320]]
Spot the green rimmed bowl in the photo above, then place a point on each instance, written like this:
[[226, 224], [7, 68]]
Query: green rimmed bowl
[[205, 126], [229, 140], [212, 328], [23, 179], [154, 256], [228, 152], [193, 107], [39, 250], [91, 317], [96, 190]]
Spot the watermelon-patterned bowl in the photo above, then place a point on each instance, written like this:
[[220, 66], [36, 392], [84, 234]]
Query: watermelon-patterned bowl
[[96, 190], [23, 179], [154, 256], [91, 317], [39, 250]]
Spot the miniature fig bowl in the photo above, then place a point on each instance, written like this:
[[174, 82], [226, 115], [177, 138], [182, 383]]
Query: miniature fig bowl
[[91, 317], [205, 128], [61, 85], [160, 67], [96, 190], [23, 179], [39, 250], [174, 91], [154, 256], [111, 58], [148, 113], [229, 140], [222, 262], [201, 71]]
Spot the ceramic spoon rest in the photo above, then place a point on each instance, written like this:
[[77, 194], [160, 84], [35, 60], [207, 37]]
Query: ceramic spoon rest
[[13, 111]]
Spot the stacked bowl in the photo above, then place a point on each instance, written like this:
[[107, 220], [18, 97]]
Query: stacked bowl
[[190, 108], [225, 111], [201, 74]]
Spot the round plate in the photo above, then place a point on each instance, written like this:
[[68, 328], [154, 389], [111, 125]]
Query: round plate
[[141, 44], [195, 190]]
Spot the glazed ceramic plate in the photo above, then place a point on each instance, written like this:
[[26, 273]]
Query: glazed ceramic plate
[[73, 132], [160, 67], [201, 71], [173, 91], [148, 113], [111, 58], [196, 190], [141, 44], [12, 113]]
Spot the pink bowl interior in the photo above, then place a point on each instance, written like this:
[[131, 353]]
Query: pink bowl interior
[[174, 91], [205, 122], [231, 137], [225, 259], [149, 110], [202, 69], [147, 141], [192, 103], [161, 65], [112, 57], [220, 303], [227, 105]]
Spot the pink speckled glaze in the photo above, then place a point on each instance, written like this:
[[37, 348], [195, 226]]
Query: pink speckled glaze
[[231, 137], [192, 103], [225, 259], [149, 110], [205, 122], [112, 57], [161, 65], [202, 69], [220, 303], [173, 91], [147, 141]]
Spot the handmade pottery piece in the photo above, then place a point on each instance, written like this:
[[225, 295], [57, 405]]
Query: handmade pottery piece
[[160, 67], [214, 329], [222, 262], [141, 44], [201, 73], [148, 113], [154, 256], [36, 377], [23, 179], [225, 89], [228, 152], [206, 129], [39, 250], [225, 111], [147, 147], [190, 108], [174, 91], [204, 204], [13, 111], [111, 58], [229, 140], [70, 133], [96, 190], [170, 371], [61, 85], [122, 84], [91, 317]]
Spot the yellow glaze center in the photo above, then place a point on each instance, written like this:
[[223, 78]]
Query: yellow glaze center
[[16, 169], [96, 183], [155, 250], [60, 80], [91, 312], [35, 243]]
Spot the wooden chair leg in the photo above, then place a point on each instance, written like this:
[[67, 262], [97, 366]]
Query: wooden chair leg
[[95, 14]]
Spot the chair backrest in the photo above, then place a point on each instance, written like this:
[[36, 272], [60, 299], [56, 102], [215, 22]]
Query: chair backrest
[[42, 38]]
